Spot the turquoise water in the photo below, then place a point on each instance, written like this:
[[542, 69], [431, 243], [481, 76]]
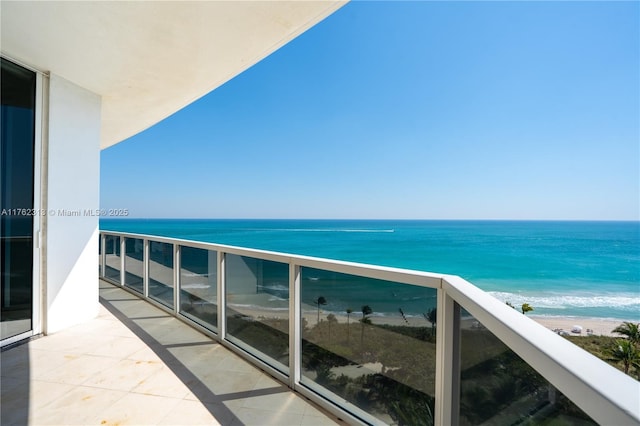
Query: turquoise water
[[583, 269]]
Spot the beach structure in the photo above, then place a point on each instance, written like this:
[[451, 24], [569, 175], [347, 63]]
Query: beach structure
[[78, 77]]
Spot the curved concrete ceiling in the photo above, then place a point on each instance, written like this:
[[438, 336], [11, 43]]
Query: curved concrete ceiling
[[149, 59]]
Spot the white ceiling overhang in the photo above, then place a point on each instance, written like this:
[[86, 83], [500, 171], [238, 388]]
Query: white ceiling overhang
[[148, 59]]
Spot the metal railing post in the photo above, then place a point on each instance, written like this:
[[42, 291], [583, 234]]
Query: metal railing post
[[295, 338], [123, 247], [145, 268], [222, 297], [447, 408], [103, 257], [176, 278]]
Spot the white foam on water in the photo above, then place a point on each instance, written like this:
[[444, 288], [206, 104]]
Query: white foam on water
[[568, 301]]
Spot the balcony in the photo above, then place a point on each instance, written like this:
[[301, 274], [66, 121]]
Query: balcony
[[137, 364], [451, 354], [454, 356]]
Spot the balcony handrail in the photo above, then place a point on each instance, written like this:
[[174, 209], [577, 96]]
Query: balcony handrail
[[388, 273], [603, 392], [581, 376]]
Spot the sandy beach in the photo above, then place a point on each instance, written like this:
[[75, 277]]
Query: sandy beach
[[596, 326], [600, 327]]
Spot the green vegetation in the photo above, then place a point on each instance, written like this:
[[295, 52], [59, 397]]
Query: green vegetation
[[366, 311], [622, 353], [630, 330], [269, 336], [432, 316], [526, 308], [320, 301], [390, 373], [625, 352], [498, 387], [349, 312]]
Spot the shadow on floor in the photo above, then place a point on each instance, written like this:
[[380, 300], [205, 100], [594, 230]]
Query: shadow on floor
[[197, 386]]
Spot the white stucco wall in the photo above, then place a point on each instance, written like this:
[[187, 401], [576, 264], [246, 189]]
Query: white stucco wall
[[73, 188]]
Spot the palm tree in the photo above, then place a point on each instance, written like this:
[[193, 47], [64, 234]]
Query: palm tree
[[349, 312], [526, 308], [366, 311], [624, 351], [630, 330], [404, 317], [320, 301], [432, 317]]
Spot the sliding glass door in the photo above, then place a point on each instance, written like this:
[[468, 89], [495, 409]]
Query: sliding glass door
[[17, 166]]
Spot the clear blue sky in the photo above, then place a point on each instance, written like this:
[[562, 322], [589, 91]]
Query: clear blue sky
[[409, 110]]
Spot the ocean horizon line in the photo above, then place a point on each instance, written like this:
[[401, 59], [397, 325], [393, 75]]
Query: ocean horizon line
[[375, 219]]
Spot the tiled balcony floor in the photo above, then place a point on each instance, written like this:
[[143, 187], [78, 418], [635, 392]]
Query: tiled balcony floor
[[137, 365]]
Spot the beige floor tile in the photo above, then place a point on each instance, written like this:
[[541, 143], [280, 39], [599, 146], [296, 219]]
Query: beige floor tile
[[253, 417], [162, 383], [43, 362], [135, 409], [15, 401], [199, 360], [124, 375], [118, 347], [156, 328], [67, 342], [79, 370], [97, 325], [103, 327], [236, 364], [181, 334], [187, 413], [266, 381], [23, 399], [15, 362], [42, 393], [221, 382], [216, 387], [139, 309], [144, 354], [77, 407]]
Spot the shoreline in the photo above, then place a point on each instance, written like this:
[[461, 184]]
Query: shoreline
[[590, 326], [600, 326]]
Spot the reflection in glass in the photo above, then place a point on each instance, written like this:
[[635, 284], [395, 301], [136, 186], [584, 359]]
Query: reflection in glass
[[134, 264], [258, 306], [161, 272], [498, 388], [198, 286], [112, 258], [17, 129], [371, 342]]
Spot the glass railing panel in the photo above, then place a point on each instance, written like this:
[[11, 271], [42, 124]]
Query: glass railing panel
[[112, 258], [161, 272], [257, 310], [497, 387], [134, 264], [198, 286], [370, 342]]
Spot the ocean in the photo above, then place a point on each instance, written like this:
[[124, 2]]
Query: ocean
[[561, 268]]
